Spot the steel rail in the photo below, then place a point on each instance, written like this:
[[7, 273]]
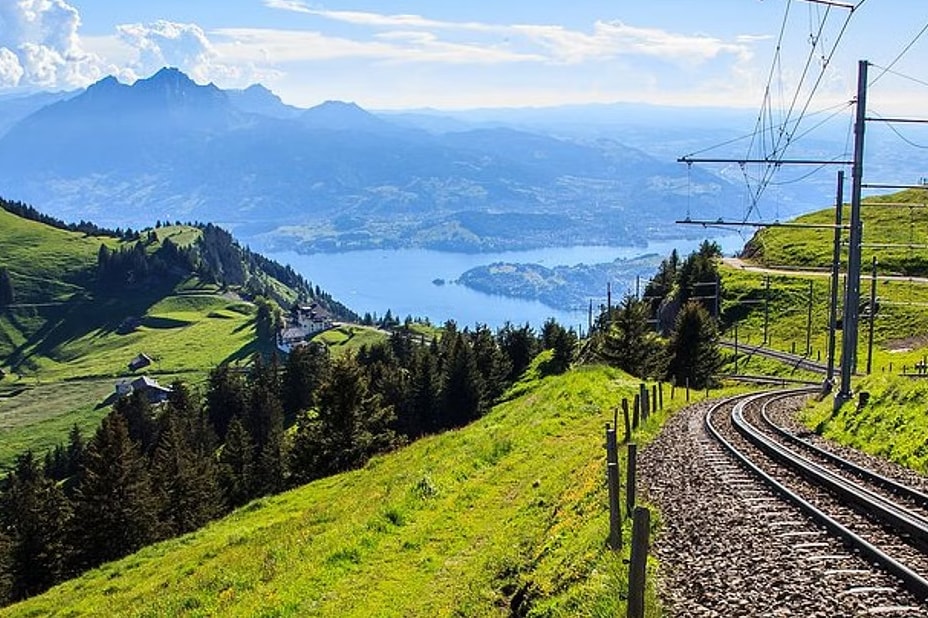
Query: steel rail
[[912, 581]]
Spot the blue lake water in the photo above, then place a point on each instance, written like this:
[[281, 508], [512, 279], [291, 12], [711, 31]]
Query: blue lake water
[[402, 280]]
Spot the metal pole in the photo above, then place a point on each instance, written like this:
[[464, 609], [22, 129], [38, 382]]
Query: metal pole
[[809, 323], [872, 316], [852, 292], [835, 274], [766, 305], [736, 348]]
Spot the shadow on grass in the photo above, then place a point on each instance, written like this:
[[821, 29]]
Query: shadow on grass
[[82, 315]]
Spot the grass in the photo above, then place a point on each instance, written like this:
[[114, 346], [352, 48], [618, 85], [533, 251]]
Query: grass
[[895, 225], [894, 422], [456, 524], [350, 337], [181, 333], [38, 416], [892, 425]]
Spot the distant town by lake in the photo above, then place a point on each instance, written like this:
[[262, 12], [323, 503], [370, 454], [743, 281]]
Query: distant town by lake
[[404, 280]]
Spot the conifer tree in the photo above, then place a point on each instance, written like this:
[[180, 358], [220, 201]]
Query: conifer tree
[[184, 479], [630, 343], [349, 425], [226, 398], [114, 510], [140, 420], [304, 370], [492, 362], [6, 576], [462, 385], [34, 514], [693, 350], [236, 465], [520, 345], [424, 394]]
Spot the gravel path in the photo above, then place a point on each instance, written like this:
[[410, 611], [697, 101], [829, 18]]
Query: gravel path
[[729, 547]]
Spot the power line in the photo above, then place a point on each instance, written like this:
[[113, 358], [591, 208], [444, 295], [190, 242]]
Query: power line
[[899, 56]]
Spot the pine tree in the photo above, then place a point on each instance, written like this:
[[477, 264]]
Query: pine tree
[[140, 419], [520, 345], [226, 398], [304, 370], [236, 465], [184, 479], [630, 343], [693, 349], [492, 362], [424, 402], [349, 425], [6, 575], [462, 385], [34, 514], [114, 510]]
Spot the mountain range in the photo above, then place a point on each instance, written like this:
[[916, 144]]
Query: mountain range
[[335, 177]]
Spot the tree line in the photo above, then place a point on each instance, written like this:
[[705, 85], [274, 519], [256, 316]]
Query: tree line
[[151, 472], [670, 333]]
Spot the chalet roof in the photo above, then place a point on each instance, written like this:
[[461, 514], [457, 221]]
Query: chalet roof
[[293, 333], [144, 382]]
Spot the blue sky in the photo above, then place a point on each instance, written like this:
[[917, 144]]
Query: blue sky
[[410, 54]]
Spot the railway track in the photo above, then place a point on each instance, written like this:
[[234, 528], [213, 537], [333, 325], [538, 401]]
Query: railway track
[[731, 545], [879, 519]]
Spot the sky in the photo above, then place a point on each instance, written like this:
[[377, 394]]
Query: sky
[[389, 54]]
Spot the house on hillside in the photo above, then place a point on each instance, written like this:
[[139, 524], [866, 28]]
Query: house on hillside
[[140, 361], [303, 322], [313, 318], [154, 391]]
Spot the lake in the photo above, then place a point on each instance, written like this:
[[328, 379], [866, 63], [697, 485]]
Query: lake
[[402, 280]]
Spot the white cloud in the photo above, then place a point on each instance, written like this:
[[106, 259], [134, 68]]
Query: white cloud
[[608, 39], [42, 35], [260, 45], [189, 48], [10, 69]]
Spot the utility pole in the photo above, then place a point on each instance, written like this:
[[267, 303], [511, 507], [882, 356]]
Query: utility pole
[[835, 274], [852, 293], [872, 316], [766, 305]]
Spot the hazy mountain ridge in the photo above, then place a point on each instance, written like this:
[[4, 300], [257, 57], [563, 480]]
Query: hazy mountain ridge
[[337, 177]]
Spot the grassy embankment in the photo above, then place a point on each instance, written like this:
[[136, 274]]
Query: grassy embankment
[[507, 514], [60, 344], [894, 422]]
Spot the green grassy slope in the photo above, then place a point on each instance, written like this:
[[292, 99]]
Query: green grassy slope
[[894, 422], [459, 524], [884, 222], [60, 344]]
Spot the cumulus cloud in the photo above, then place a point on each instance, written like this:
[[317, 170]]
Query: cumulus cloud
[[187, 47], [10, 69], [40, 37]]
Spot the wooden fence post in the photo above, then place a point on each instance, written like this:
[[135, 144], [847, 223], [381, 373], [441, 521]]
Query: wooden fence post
[[630, 467], [660, 395], [628, 422], [637, 569], [612, 477], [653, 398], [636, 415], [687, 390], [645, 405]]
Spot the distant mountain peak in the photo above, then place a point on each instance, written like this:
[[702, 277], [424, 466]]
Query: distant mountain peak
[[342, 116]]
